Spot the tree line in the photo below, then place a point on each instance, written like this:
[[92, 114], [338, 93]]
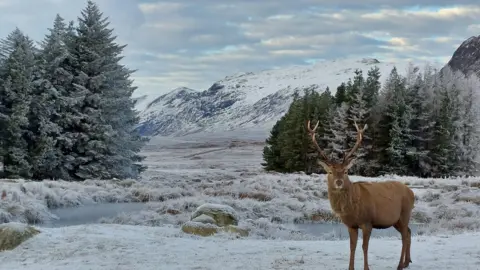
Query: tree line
[[65, 106], [422, 124]]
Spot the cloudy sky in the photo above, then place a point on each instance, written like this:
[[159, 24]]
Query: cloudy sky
[[196, 42]]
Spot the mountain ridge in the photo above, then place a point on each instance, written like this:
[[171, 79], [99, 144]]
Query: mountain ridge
[[466, 58], [248, 99]]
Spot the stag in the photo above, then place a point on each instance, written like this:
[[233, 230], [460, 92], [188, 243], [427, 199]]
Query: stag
[[366, 205]]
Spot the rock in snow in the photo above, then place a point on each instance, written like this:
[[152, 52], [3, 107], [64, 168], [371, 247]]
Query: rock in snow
[[12, 234], [209, 219]]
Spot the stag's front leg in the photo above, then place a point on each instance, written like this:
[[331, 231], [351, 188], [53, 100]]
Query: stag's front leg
[[353, 233], [367, 231]]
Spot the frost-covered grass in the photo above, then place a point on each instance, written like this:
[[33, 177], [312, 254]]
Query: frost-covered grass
[[182, 178], [110, 247]]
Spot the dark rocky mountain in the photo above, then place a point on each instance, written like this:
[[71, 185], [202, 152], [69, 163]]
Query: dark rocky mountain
[[466, 57]]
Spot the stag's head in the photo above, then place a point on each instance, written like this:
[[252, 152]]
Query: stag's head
[[337, 172]]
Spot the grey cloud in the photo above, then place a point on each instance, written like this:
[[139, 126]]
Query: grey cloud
[[403, 25], [168, 46]]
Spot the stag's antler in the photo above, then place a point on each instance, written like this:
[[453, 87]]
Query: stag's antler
[[347, 156], [312, 133]]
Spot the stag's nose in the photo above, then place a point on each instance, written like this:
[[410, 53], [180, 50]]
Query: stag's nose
[[339, 183]]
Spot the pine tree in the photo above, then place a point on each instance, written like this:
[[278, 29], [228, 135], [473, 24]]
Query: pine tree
[[16, 84], [322, 106], [45, 107], [273, 160], [357, 112], [394, 133], [103, 140], [371, 96], [471, 134], [420, 96], [337, 136], [289, 148], [448, 151], [341, 94], [293, 136]]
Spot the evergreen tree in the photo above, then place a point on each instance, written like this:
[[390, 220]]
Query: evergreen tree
[[16, 86], [420, 96], [341, 94], [272, 151], [45, 107], [421, 124], [292, 138], [107, 146], [337, 135], [323, 105], [394, 134], [357, 112], [289, 148], [448, 153], [470, 138], [370, 97]]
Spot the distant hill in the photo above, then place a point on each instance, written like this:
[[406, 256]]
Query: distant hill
[[247, 99]]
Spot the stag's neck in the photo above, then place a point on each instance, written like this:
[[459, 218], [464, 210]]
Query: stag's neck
[[342, 201]]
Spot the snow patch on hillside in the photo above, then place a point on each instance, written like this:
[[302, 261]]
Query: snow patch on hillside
[[248, 99]]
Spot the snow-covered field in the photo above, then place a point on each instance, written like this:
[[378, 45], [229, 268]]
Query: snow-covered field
[[124, 247], [183, 175]]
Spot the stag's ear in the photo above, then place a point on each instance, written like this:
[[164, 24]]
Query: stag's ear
[[324, 165], [349, 163]]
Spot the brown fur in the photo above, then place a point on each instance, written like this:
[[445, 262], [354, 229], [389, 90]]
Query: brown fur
[[367, 205]]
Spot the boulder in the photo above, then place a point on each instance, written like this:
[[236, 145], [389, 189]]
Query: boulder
[[209, 219], [204, 219], [222, 214], [199, 228], [12, 234]]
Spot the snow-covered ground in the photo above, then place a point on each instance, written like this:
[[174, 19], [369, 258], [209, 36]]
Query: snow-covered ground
[[123, 247], [186, 173], [182, 176]]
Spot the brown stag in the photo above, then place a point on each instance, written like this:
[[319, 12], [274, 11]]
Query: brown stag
[[366, 205]]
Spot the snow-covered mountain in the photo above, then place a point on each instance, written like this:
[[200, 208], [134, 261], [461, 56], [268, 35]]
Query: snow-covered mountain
[[466, 57], [246, 99]]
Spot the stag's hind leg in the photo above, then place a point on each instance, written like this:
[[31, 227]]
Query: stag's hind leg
[[405, 232], [408, 259]]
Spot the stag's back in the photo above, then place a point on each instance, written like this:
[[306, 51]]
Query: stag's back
[[383, 203]]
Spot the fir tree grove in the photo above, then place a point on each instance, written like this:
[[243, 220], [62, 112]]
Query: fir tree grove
[[66, 106], [422, 124]]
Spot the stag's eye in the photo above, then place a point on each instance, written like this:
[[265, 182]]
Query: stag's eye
[[329, 172]]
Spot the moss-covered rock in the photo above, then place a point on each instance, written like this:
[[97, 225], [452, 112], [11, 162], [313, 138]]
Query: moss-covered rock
[[222, 214], [12, 234], [204, 219], [199, 228]]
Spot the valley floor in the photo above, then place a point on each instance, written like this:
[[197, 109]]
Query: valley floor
[[183, 175], [126, 247]]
